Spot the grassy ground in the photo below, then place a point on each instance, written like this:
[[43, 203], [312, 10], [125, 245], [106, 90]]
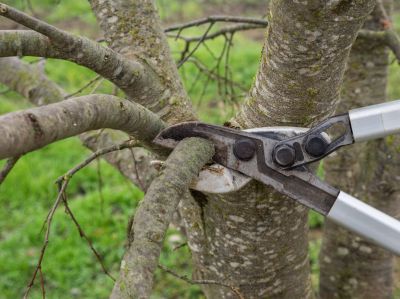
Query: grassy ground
[[69, 267]]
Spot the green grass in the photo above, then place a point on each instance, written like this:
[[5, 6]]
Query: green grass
[[70, 269]]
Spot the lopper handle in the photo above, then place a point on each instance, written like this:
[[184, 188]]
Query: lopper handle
[[366, 221], [375, 121]]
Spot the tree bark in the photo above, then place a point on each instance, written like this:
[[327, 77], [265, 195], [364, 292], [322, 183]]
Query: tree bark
[[133, 28], [35, 86], [350, 266], [29, 81], [31, 129], [154, 215], [257, 239]]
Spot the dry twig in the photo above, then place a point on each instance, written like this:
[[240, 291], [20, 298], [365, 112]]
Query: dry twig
[[7, 168], [63, 182], [214, 19], [203, 281]]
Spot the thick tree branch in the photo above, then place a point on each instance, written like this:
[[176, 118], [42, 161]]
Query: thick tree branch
[[133, 28], [31, 129], [154, 215], [130, 76], [38, 89], [134, 75], [388, 38], [29, 81]]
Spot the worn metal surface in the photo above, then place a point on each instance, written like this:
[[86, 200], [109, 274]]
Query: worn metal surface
[[299, 184], [218, 179], [305, 152]]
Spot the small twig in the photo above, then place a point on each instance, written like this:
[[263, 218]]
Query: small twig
[[7, 168], [62, 183], [141, 185], [100, 185], [49, 219], [180, 63], [203, 281], [83, 87], [223, 31], [42, 284], [385, 19], [214, 19], [84, 236], [180, 246], [95, 155], [203, 69]]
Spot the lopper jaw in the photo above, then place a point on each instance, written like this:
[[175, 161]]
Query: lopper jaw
[[246, 155]]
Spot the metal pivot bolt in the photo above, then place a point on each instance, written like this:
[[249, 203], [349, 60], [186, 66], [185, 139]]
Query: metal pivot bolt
[[244, 149], [284, 155], [316, 145]]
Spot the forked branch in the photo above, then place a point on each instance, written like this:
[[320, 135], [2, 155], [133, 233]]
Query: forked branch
[[63, 182], [135, 77]]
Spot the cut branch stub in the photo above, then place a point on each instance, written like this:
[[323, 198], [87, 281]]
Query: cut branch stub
[[27, 130]]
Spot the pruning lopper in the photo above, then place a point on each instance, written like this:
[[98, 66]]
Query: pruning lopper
[[279, 157]]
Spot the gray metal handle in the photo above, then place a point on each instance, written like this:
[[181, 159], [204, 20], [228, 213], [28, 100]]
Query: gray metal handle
[[375, 121], [366, 221]]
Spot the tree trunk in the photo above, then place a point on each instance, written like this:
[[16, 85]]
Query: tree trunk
[[256, 239], [350, 266]]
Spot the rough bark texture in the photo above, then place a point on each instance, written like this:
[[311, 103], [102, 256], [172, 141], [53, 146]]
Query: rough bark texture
[[135, 164], [32, 83], [29, 81], [154, 215], [133, 28], [31, 129], [135, 80], [307, 46], [350, 266], [256, 239]]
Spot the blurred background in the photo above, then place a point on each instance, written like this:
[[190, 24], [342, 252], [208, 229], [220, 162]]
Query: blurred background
[[217, 77]]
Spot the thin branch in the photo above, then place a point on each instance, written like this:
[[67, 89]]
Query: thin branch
[[385, 19], [94, 156], [202, 281], [49, 219], [214, 19], [141, 185], [184, 59], [84, 236], [388, 38], [100, 185], [29, 81], [95, 79], [62, 183], [7, 168], [221, 32], [203, 69], [31, 129]]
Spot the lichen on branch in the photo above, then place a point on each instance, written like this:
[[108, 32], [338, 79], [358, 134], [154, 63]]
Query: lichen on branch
[[154, 215], [31, 129]]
